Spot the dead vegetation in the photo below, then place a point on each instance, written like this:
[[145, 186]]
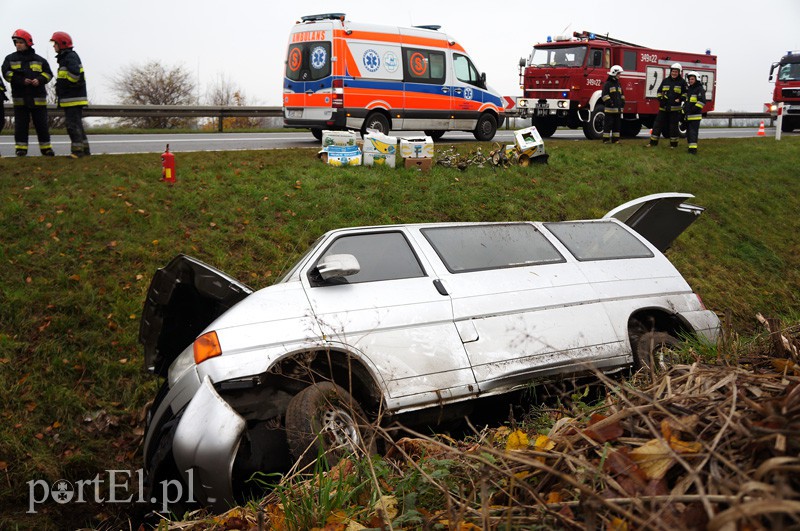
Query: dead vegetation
[[702, 446]]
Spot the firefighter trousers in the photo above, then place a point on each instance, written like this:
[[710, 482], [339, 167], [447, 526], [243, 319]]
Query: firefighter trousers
[[692, 134], [611, 126], [22, 119], [73, 117], [668, 120]]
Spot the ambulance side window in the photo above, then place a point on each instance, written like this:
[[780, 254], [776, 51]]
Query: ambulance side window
[[465, 70], [423, 66]]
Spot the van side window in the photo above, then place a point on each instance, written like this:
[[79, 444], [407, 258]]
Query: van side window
[[465, 70], [423, 66], [598, 240], [381, 255], [308, 61]]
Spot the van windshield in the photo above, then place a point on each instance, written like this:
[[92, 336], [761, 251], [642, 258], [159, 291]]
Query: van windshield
[[561, 56], [308, 61]]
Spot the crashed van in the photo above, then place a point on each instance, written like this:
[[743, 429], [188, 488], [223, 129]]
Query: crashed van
[[376, 322]]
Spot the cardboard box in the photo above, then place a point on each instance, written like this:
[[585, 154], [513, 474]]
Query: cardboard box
[[342, 155], [423, 164], [379, 149], [339, 138], [416, 148], [529, 142]]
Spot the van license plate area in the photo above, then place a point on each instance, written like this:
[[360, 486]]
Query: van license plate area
[[294, 113]]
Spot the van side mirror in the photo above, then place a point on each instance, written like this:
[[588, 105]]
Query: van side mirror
[[483, 79], [338, 266]]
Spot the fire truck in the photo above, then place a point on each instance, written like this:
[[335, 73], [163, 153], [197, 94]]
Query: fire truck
[[563, 78], [787, 91]]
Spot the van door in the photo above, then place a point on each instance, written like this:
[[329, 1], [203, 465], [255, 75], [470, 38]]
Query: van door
[[427, 94], [307, 84]]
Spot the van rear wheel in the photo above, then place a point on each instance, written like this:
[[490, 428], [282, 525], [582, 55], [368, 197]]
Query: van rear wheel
[[486, 127], [376, 121], [317, 132], [655, 349]]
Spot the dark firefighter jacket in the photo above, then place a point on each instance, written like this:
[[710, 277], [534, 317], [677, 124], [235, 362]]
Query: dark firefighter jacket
[[19, 66], [613, 98], [672, 94], [695, 101], [70, 81], [3, 96]]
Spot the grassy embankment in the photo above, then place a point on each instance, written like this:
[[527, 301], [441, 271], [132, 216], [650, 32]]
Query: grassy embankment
[[81, 239]]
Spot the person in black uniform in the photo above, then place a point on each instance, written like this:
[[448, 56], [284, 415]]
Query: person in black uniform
[[671, 95], [2, 107], [28, 73], [693, 109], [71, 92], [614, 103]]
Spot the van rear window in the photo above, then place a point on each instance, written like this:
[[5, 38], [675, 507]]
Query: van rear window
[[598, 240], [308, 61], [423, 66], [480, 247]]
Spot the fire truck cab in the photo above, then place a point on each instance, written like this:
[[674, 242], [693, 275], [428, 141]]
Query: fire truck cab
[[787, 91], [563, 79], [345, 75]]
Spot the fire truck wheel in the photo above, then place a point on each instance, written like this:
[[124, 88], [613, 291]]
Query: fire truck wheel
[[545, 126], [317, 132], [787, 126], [486, 128], [630, 128], [377, 121], [593, 129]]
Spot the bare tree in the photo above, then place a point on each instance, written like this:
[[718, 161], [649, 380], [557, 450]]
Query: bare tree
[[154, 84], [224, 92]]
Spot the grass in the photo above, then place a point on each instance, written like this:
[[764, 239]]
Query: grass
[[81, 239]]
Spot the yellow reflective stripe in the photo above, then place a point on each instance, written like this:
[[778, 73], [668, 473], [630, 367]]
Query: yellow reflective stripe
[[700, 104], [16, 65], [23, 147], [40, 101], [694, 117], [72, 102], [693, 99], [63, 73], [36, 67], [47, 76]]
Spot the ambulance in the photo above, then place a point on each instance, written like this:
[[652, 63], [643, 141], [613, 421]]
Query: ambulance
[[342, 75]]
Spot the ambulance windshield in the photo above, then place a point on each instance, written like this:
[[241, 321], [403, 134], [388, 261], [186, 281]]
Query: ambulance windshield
[[561, 56]]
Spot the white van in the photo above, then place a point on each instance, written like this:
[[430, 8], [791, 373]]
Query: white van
[[342, 75]]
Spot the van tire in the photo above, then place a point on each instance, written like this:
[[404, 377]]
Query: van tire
[[317, 132], [376, 120], [654, 348], [486, 127]]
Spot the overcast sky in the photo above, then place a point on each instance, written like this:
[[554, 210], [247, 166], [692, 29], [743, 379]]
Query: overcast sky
[[245, 40]]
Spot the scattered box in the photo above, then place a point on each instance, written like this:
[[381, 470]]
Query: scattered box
[[339, 138], [416, 148], [379, 149], [529, 142], [342, 155], [423, 164]]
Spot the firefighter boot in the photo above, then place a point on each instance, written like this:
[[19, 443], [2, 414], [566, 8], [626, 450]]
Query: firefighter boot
[[48, 152], [692, 151], [21, 152]]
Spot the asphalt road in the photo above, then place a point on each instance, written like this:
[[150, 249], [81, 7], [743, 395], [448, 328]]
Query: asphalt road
[[155, 143]]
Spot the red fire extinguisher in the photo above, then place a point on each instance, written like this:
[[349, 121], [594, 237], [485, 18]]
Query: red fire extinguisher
[[167, 166]]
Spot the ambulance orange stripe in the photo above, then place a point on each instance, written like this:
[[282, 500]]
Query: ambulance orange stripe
[[397, 39], [352, 65]]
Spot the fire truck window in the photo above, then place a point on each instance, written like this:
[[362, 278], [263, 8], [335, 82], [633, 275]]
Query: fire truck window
[[465, 71], [629, 60], [608, 58], [790, 72], [423, 66], [597, 58]]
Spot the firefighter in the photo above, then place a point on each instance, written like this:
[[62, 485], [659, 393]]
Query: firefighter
[[2, 107], [71, 92], [671, 95], [693, 109], [614, 102], [28, 73]]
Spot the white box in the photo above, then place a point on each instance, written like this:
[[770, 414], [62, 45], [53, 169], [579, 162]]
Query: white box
[[529, 142], [380, 149], [343, 155], [416, 148], [338, 138]]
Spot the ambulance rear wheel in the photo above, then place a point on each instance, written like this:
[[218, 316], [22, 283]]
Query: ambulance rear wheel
[[435, 135], [317, 132], [486, 128], [593, 129], [545, 126], [376, 121]]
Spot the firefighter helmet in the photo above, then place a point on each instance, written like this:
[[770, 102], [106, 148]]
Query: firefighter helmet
[[62, 38], [691, 73], [676, 66], [615, 70], [24, 35]]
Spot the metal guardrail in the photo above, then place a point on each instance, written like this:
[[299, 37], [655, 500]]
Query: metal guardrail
[[221, 112]]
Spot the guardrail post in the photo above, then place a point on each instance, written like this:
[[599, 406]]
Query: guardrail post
[[219, 127]]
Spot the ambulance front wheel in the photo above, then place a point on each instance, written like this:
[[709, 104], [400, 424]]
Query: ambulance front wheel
[[376, 121], [486, 127]]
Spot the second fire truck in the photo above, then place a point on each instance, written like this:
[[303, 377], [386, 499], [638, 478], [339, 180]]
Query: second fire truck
[[562, 80], [787, 91]]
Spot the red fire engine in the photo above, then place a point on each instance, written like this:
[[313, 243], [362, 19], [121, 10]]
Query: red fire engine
[[787, 91], [563, 78]]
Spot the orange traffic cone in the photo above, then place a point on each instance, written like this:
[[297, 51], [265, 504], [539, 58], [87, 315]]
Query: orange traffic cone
[[761, 131]]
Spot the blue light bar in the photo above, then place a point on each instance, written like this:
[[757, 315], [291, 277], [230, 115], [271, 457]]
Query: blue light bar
[[592, 36], [549, 38], [708, 51]]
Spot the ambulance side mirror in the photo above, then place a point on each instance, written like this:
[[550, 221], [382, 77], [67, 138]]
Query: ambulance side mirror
[[483, 79]]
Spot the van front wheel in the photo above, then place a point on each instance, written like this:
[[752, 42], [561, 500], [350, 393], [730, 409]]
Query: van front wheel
[[376, 121], [486, 127]]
